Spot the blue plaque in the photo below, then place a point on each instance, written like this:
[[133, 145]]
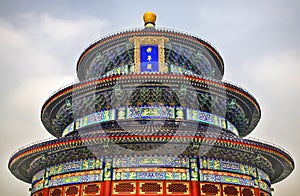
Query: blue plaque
[[149, 58]]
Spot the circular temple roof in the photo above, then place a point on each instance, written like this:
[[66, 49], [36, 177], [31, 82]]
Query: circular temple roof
[[223, 99], [278, 164], [186, 51]]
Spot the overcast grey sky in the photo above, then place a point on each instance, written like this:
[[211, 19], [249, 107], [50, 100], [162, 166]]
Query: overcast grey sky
[[40, 42]]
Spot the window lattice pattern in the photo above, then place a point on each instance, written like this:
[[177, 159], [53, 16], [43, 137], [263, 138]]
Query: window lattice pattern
[[151, 187], [177, 188], [124, 187], [210, 189], [93, 188], [247, 192], [56, 192], [229, 190], [263, 194], [38, 194], [72, 190]]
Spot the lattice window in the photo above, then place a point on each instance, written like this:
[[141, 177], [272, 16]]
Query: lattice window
[[247, 192], [92, 188], [151, 187], [177, 188], [229, 190], [210, 189], [56, 192], [73, 190], [124, 187], [38, 194]]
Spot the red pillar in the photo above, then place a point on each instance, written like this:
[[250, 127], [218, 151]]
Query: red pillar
[[256, 191], [46, 192], [107, 188], [221, 190], [195, 188]]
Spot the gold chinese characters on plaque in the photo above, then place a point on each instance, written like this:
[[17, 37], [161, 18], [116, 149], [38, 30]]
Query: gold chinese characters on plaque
[[149, 54]]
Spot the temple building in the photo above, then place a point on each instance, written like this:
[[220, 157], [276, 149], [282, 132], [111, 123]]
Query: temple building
[[151, 116]]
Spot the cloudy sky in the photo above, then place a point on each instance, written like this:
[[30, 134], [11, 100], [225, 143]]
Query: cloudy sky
[[40, 43]]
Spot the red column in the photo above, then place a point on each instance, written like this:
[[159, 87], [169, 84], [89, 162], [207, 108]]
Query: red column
[[106, 188], [256, 191], [80, 189], [195, 188], [46, 192], [221, 190]]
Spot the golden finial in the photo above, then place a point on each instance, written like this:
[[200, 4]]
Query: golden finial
[[149, 19]]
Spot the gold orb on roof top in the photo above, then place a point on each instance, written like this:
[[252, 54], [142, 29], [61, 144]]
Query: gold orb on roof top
[[149, 19]]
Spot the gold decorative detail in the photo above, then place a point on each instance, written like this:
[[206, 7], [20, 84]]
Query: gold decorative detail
[[68, 190], [248, 189], [216, 185], [91, 189], [149, 19], [57, 190], [124, 188], [149, 40], [151, 187], [236, 188], [184, 184]]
